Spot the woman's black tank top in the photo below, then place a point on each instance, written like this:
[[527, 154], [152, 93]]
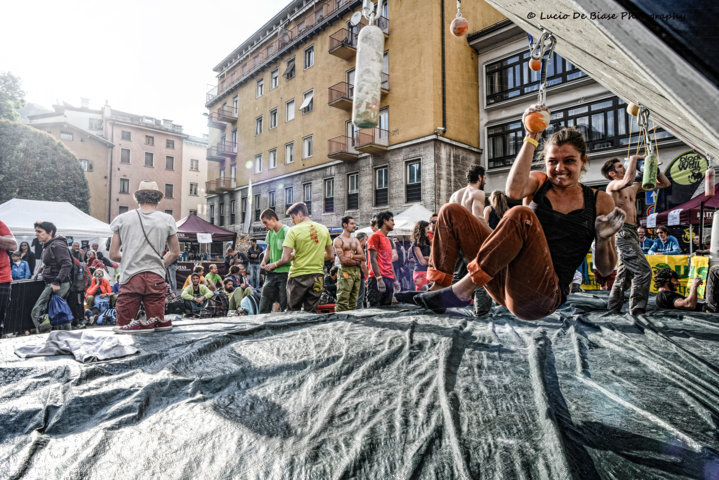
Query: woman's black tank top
[[493, 219], [570, 235]]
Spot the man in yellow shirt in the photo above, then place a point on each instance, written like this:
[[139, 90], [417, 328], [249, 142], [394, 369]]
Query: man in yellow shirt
[[312, 246]]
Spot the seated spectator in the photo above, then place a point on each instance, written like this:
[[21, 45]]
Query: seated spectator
[[238, 276], [196, 295], [331, 283], [645, 243], [667, 280], [199, 269], [699, 247], [20, 269], [242, 300], [99, 288], [213, 279], [77, 253], [91, 260], [665, 244]]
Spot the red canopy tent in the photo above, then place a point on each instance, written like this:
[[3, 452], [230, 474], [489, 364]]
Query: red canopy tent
[[191, 225], [690, 210]]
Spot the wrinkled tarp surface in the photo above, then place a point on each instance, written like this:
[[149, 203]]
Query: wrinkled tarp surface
[[394, 393]]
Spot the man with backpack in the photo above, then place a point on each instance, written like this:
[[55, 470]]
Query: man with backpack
[[56, 273]]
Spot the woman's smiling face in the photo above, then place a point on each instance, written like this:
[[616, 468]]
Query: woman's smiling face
[[564, 164]]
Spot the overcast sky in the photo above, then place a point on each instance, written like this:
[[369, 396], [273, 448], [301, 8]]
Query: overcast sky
[[148, 57]]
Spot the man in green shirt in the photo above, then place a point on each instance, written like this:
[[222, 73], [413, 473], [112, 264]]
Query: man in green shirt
[[312, 246], [196, 295], [274, 289], [213, 279]]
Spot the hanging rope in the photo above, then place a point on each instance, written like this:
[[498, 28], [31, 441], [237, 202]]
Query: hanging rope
[[537, 52]]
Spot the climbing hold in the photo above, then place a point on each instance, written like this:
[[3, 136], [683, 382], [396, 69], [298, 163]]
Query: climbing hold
[[535, 64], [536, 118], [459, 26]]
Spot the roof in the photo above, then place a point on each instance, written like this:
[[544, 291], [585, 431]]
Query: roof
[[191, 225], [70, 126], [20, 215]]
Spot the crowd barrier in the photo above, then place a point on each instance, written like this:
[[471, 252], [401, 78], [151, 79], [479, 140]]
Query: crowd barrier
[[686, 267]]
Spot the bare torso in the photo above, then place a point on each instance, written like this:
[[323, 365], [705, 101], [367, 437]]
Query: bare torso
[[346, 246], [625, 198], [471, 198]]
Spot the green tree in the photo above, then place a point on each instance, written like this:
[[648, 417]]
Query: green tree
[[36, 166], [12, 97]]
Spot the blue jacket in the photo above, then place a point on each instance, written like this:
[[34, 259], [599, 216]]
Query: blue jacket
[[20, 272], [646, 245], [670, 247]]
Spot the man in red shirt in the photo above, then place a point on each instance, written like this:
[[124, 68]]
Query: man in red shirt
[[7, 242], [380, 285]]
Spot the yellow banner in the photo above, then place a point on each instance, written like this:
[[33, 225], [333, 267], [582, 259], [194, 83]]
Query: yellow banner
[[698, 267]]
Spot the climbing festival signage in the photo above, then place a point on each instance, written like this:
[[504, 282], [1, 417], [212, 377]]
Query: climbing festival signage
[[685, 173]]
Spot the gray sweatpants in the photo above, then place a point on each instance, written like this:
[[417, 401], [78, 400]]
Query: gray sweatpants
[[633, 266]]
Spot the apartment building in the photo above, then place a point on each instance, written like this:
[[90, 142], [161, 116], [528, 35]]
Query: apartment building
[[194, 176], [139, 148], [507, 86], [279, 116]]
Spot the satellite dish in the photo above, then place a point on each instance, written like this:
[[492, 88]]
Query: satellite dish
[[355, 20]]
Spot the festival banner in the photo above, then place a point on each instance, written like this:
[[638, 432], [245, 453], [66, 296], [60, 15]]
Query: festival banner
[[686, 269], [685, 173]]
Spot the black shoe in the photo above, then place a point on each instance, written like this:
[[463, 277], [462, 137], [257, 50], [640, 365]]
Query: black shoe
[[440, 300]]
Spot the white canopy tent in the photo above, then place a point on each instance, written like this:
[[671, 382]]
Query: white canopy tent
[[405, 221], [20, 215]]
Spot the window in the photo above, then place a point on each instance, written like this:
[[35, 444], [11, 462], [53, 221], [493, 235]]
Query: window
[[604, 123], [243, 207], [309, 56], [150, 140], [274, 78], [308, 102], [233, 207], [260, 87], [126, 135], [290, 110], [149, 159], [381, 196], [66, 136], [235, 105], [273, 118], [272, 158], [413, 188], [290, 70], [124, 185], [329, 195], [169, 190], [258, 163], [212, 214], [170, 144], [169, 212], [123, 209], [353, 191], [289, 197], [169, 163], [95, 123], [86, 165], [384, 119], [307, 147], [258, 125], [125, 155], [222, 214], [193, 189], [289, 153], [307, 196], [511, 77], [233, 172], [271, 199], [194, 165], [257, 207]]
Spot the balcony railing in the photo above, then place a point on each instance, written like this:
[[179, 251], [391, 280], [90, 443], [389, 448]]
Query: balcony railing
[[384, 86], [213, 154], [340, 95], [227, 149], [227, 113], [343, 44], [219, 185], [341, 148], [214, 120], [371, 140]]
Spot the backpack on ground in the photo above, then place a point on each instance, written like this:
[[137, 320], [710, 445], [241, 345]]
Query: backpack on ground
[[218, 305]]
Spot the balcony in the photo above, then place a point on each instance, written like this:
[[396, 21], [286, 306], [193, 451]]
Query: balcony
[[227, 149], [219, 185], [340, 96], [227, 113], [371, 140], [343, 44], [384, 86], [214, 155], [215, 121], [340, 148]]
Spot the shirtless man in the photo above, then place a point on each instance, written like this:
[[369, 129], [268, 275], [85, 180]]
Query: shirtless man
[[350, 254], [632, 263], [471, 197]]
